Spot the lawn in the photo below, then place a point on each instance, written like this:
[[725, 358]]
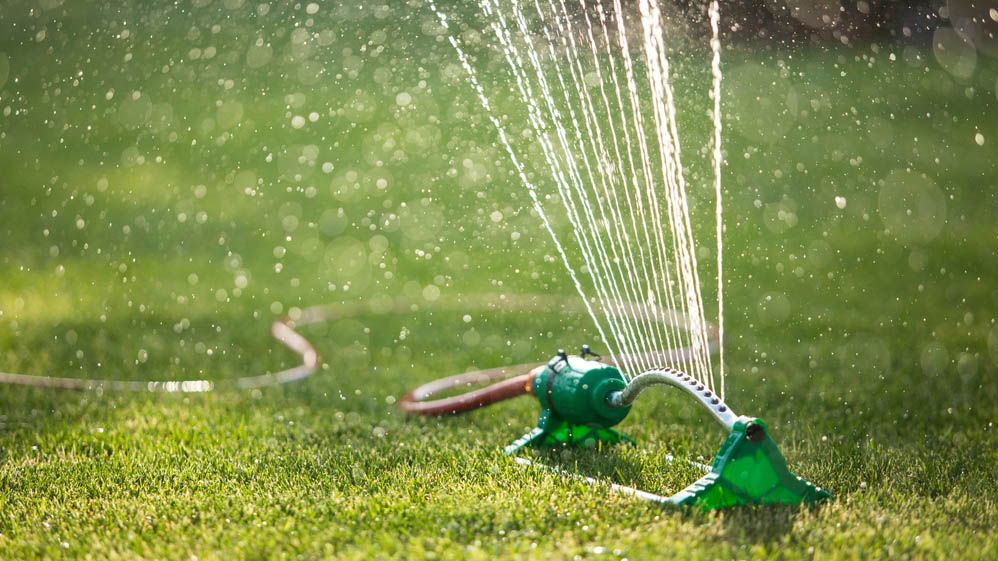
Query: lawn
[[174, 179]]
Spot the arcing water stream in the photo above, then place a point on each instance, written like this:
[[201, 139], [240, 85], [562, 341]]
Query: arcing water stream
[[618, 175]]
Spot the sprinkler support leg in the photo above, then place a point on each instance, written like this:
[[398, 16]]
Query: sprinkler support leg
[[749, 470]]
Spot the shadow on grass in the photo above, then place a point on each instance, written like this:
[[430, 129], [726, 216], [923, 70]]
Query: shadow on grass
[[626, 465], [761, 524]]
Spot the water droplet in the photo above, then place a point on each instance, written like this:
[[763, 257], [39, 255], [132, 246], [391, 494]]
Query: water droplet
[[953, 53], [431, 292], [259, 54], [911, 206]]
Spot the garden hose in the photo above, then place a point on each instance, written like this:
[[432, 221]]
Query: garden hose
[[509, 386], [284, 331]]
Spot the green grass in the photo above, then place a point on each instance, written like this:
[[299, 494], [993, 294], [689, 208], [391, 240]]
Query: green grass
[[866, 339]]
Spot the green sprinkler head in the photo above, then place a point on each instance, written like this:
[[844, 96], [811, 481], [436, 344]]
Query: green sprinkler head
[[574, 394], [577, 390]]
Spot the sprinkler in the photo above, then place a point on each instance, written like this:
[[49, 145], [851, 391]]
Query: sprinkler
[[582, 399]]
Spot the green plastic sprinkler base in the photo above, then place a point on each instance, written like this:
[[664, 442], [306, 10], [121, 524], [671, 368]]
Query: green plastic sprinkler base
[[749, 470], [577, 400]]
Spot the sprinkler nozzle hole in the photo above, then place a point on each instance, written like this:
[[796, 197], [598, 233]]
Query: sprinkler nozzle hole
[[754, 432]]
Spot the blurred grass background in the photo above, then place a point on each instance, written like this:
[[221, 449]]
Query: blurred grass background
[[173, 178]]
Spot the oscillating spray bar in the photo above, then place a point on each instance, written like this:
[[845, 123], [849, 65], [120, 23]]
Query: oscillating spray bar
[[672, 377]]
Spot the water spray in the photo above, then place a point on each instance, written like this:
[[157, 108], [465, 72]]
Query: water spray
[[654, 263], [583, 398]]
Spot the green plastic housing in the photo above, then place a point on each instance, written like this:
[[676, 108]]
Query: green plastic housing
[[573, 396], [576, 390]]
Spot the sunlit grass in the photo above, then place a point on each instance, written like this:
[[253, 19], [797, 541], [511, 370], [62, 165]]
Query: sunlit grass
[[159, 239]]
